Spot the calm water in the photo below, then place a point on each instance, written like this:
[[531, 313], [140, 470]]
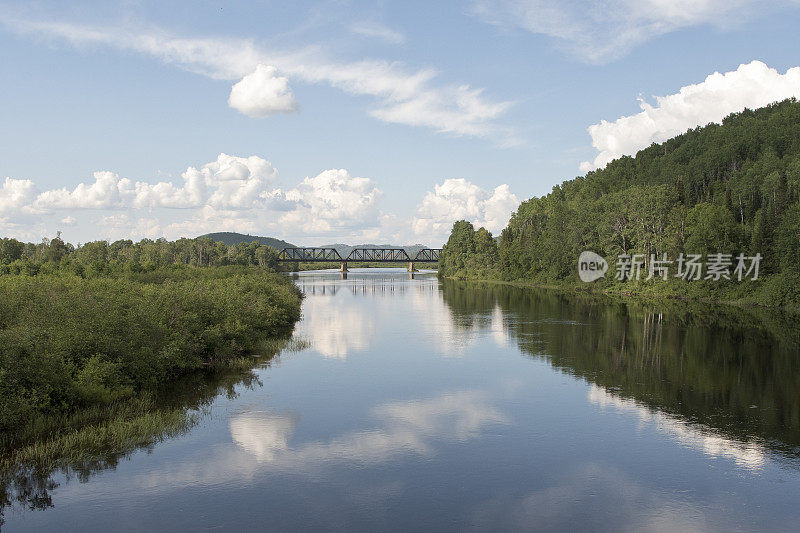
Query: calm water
[[421, 405]]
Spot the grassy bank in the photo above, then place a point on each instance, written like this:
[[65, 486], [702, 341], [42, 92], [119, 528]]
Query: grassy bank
[[69, 343]]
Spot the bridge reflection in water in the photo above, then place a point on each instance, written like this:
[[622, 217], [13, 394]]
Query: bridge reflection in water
[[363, 286], [361, 255]]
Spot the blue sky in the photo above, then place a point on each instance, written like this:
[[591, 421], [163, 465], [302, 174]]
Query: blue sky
[[345, 121]]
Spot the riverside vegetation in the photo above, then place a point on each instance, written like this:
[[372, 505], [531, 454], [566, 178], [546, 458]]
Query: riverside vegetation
[[724, 188], [100, 324], [106, 349]]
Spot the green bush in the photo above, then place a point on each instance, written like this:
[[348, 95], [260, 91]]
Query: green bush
[[69, 342]]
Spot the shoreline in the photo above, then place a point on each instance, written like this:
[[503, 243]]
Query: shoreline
[[631, 295]]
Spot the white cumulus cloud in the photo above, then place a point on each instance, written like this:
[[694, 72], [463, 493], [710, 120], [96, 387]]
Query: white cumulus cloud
[[166, 194], [457, 199], [230, 182], [751, 85], [107, 191], [239, 182], [231, 193], [262, 93], [16, 194], [242, 194], [333, 200]]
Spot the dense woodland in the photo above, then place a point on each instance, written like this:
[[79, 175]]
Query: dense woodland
[[723, 188]]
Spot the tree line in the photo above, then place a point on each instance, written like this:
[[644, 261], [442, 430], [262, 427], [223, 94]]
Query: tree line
[[103, 257], [730, 188]]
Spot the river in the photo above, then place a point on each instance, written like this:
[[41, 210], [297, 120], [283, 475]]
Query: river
[[408, 404]]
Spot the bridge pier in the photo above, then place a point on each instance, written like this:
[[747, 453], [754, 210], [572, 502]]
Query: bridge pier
[[411, 267], [344, 267]]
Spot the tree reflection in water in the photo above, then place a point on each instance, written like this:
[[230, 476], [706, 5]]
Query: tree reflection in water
[[733, 371], [28, 473]]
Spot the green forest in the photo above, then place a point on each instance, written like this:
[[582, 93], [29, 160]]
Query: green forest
[[98, 324], [729, 188]]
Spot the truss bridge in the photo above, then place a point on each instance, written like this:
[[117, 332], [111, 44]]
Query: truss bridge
[[360, 255]]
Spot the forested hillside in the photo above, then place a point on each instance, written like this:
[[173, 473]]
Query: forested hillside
[[727, 188], [231, 239]]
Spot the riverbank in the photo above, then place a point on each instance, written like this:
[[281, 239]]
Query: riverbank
[[772, 290], [70, 344]]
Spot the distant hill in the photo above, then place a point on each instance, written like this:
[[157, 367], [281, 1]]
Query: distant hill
[[231, 238]]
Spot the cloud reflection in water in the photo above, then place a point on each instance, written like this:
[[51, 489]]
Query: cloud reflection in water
[[749, 455], [405, 427], [336, 326]]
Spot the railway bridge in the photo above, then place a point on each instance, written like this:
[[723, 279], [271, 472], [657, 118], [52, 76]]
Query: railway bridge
[[361, 255]]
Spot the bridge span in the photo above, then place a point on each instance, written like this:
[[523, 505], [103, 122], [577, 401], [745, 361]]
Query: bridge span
[[361, 255]]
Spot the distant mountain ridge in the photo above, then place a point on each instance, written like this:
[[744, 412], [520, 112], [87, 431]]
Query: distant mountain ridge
[[231, 238]]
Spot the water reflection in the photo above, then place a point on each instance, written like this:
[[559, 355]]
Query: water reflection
[[733, 374], [336, 326], [470, 406], [598, 497], [750, 455], [264, 435], [337, 320], [382, 282], [30, 483], [402, 427], [453, 333]]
